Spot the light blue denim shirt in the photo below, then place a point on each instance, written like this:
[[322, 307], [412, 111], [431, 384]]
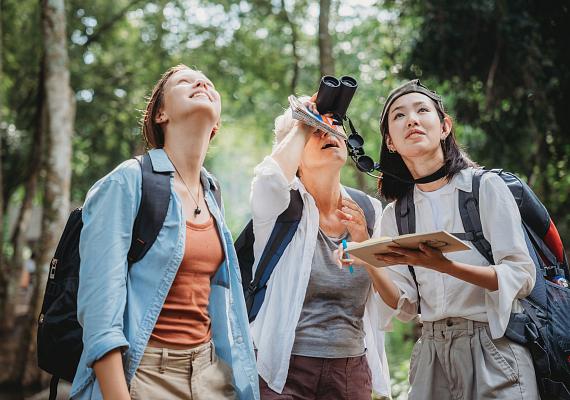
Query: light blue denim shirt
[[118, 307]]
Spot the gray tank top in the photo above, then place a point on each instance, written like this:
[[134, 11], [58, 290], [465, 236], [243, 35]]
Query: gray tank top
[[330, 325]]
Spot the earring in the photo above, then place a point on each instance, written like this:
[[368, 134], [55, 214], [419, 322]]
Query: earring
[[391, 150]]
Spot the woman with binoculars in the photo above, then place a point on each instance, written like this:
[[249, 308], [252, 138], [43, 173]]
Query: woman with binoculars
[[465, 303], [316, 333]]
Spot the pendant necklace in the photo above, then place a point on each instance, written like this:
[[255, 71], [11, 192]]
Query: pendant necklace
[[197, 210]]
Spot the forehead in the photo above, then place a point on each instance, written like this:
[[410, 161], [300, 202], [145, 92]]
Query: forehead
[[409, 99], [189, 74]]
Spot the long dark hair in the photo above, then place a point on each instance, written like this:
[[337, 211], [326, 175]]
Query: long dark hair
[[455, 160]]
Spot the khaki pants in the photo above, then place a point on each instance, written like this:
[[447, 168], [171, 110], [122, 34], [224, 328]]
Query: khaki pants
[[193, 374], [456, 359]]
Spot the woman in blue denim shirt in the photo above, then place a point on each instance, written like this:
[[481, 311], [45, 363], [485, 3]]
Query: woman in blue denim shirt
[[175, 324]]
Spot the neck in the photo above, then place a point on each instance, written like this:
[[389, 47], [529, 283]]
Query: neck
[[424, 166], [324, 186], [187, 148]]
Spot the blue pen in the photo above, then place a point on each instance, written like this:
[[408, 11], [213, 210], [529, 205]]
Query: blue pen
[[344, 245]]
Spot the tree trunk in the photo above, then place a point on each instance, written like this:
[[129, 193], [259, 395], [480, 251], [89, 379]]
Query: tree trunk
[[2, 230], [16, 264], [60, 110], [325, 40], [288, 21]]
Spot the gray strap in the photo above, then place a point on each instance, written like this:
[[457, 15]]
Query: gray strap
[[366, 205], [471, 218], [406, 222]]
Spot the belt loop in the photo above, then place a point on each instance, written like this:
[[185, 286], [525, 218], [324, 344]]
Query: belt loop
[[163, 360], [470, 327]]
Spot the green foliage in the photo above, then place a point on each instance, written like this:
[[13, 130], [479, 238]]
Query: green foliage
[[502, 67], [18, 88], [399, 344]]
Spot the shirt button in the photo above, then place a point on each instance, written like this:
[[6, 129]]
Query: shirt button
[[239, 340]]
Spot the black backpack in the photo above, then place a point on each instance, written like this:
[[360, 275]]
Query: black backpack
[[254, 287], [544, 325], [59, 338]]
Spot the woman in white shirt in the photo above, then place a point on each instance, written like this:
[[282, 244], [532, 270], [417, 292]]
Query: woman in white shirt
[[465, 303], [316, 334]]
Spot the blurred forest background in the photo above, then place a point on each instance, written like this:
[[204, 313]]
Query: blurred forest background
[[74, 76]]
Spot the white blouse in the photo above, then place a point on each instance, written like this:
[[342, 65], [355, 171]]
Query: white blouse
[[444, 296], [273, 330]]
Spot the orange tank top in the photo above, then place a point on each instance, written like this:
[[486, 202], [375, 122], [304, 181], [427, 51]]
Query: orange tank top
[[184, 320]]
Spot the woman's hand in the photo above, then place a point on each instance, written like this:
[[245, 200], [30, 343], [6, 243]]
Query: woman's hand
[[352, 216], [426, 257], [344, 260]]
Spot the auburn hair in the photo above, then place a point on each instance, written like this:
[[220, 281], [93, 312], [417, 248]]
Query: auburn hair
[[152, 132]]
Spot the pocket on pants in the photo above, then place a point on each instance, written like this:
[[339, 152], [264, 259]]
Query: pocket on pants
[[215, 382], [498, 352], [414, 359]]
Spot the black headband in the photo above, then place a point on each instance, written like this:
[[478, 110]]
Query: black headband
[[413, 86]]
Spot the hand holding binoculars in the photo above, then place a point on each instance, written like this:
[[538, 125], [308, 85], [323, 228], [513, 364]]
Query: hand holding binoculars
[[334, 96]]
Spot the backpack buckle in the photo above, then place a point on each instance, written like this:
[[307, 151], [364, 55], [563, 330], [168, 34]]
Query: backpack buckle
[[251, 288], [52, 268], [473, 236]]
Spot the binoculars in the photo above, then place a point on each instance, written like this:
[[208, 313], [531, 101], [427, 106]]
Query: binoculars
[[334, 95]]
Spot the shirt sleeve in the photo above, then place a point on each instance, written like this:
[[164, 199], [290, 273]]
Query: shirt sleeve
[[407, 307], [502, 227], [108, 216], [378, 213], [269, 197]]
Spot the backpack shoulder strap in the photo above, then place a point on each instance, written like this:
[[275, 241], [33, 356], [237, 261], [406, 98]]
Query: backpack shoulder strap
[[366, 205], [152, 210], [405, 212], [471, 218], [281, 235]]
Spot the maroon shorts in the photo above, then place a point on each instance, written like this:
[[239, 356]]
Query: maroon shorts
[[312, 378]]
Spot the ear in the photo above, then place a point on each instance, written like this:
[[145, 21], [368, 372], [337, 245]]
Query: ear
[[161, 117], [215, 129], [389, 143], [446, 126]]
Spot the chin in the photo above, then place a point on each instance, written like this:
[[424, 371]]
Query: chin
[[419, 150], [205, 110]]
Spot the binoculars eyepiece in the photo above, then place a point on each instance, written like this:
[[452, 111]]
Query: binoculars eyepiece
[[334, 95]]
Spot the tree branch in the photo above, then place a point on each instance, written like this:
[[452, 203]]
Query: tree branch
[[110, 23]]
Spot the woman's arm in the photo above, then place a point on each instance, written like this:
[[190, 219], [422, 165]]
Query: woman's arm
[[108, 216], [274, 176], [288, 152], [384, 286], [110, 375]]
